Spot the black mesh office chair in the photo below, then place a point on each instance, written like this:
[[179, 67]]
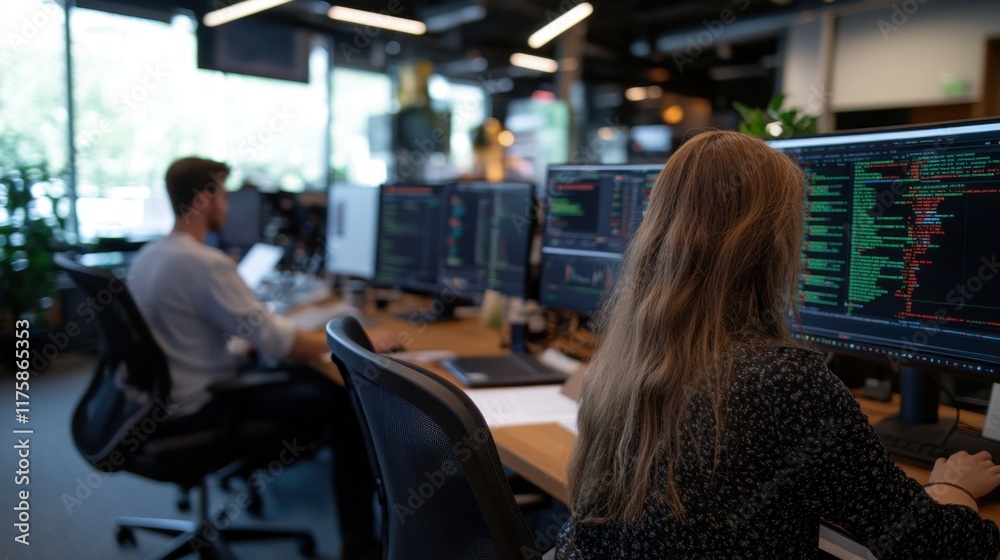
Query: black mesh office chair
[[129, 390], [443, 487]]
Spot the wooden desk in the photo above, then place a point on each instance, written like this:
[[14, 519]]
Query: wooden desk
[[541, 453], [465, 337]]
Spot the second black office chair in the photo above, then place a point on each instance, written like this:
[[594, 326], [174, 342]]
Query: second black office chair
[[441, 482], [120, 424]]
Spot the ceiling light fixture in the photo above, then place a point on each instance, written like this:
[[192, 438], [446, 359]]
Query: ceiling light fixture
[[451, 19], [532, 62], [559, 25], [239, 10], [374, 19], [637, 93]]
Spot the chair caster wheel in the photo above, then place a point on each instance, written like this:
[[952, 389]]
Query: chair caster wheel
[[256, 505], [307, 547], [183, 501], [125, 537]]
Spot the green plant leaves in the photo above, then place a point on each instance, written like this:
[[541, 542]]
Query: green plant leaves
[[27, 270], [754, 121]]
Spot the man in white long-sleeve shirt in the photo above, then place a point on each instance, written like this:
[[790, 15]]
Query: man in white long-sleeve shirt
[[194, 302]]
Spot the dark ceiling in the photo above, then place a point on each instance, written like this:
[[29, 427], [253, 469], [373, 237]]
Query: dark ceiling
[[628, 42]]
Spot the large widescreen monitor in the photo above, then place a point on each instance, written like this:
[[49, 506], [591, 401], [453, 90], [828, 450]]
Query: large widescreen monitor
[[900, 244], [487, 237], [900, 263], [591, 213]]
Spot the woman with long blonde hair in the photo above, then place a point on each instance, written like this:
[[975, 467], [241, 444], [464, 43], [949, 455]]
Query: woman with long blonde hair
[[705, 430]]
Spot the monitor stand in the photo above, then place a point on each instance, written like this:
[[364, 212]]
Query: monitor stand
[[918, 432], [439, 311], [517, 368]]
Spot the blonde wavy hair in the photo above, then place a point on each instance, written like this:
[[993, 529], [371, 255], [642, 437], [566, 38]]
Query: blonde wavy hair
[[712, 268]]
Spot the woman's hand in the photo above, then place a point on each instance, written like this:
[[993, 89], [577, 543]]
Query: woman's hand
[[975, 473]]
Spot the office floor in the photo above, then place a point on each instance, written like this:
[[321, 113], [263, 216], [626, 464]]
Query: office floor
[[73, 506]]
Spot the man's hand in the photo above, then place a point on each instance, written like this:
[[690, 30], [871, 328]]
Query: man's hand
[[310, 344], [386, 342]]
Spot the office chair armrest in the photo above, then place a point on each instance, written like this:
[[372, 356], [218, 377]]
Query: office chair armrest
[[248, 381]]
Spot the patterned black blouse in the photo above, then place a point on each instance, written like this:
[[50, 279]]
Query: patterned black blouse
[[797, 448]]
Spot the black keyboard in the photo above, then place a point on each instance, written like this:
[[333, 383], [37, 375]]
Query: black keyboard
[[929, 451], [920, 451]]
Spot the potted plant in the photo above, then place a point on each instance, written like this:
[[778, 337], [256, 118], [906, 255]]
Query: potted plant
[[29, 236], [773, 121]]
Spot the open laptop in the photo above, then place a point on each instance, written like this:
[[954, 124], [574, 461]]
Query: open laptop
[[259, 261]]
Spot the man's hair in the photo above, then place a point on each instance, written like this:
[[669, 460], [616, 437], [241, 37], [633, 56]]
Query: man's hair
[[187, 177]]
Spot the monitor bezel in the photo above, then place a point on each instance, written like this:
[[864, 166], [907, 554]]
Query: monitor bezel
[[884, 129]]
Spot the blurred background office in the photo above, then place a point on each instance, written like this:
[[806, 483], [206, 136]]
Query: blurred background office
[[315, 104], [296, 100]]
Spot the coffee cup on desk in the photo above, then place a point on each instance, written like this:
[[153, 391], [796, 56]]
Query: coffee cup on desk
[[385, 296], [356, 293]]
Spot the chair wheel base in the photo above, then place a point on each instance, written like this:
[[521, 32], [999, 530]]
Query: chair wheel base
[[183, 501], [307, 547], [125, 537], [256, 505]]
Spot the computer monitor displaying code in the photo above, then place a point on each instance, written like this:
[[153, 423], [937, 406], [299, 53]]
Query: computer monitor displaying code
[[410, 228], [592, 211], [901, 251], [487, 237]]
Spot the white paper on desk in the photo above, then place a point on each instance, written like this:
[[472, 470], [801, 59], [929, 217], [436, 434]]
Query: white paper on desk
[[569, 426], [991, 429], [518, 406]]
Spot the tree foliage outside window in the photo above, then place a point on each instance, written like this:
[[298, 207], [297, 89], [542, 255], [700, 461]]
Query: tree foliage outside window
[[33, 148], [32, 85], [358, 96], [142, 102]]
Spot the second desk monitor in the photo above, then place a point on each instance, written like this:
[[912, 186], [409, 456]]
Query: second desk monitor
[[487, 237], [352, 223], [408, 248], [592, 212]]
